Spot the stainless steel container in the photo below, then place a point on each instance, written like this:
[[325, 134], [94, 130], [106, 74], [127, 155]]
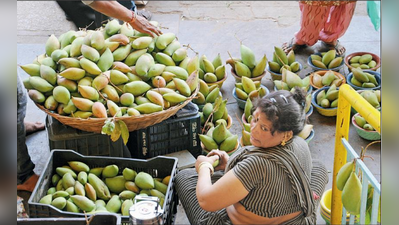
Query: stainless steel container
[[146, 210]]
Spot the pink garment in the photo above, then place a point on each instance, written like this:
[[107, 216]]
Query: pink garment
[[325, 23]]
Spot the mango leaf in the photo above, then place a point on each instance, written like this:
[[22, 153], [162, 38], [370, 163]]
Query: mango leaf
[[108, 127], [124, 131], [116, 133]]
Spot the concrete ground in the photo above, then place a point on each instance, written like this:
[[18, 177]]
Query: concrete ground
[[211, 27]]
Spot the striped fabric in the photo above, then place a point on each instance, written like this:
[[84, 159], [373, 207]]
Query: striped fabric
[[273, 186], [186, 182], [325, 23]]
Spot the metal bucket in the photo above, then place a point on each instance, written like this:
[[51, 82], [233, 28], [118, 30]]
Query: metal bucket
[[146, 211]]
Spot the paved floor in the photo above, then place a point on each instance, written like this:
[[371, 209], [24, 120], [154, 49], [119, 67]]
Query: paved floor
[[211, 27]]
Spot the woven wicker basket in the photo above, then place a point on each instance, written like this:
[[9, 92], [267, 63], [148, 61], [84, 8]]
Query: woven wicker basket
[[132, 122]]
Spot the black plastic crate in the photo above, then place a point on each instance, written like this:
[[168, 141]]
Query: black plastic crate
[[86, 143], [160, 166], [97, 219], [177, 133]]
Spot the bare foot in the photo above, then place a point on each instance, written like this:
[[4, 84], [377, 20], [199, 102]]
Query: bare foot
[[29, 184], [33, 127]]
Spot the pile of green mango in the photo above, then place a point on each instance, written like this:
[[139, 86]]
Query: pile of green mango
[[320, 80], [206, 94], [211, 71], [328, 99], [372, 96], [327, 60], [363, 79], [78, 188], [247, 66], [351, 187], [282, 60], [364, 61], [246, 131], [248, 88], [112, 71], [219, 137], [289, 80], [361, 122], [214, 113]]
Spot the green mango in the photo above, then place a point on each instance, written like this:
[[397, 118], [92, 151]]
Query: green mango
[[59, 54], [178, 71], [132, 58], [366, 58], [40, 84], [208, 142], [121, 52], [129, 174], [141, 43], [144, 181], [241, 69], [52, 44], [275, 67], [328, 57], [112, 27], [351, 194], [229, 143], [83, 203], [99, 186], [115, 184], [291, 57], [136, 87], [106, 60], [219, 133], [343, 175], [161, 187], [147, 108], [59, 203], [164, 40], [281, 57], [47, 199]]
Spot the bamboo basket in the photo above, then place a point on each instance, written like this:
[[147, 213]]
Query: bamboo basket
[[132, 122]]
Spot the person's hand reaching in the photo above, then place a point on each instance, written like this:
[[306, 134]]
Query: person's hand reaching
[[142, 25]]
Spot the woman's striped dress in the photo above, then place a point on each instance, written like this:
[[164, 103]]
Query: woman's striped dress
[[275, 189]]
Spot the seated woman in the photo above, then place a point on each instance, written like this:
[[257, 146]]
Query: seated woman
[[267, 183]]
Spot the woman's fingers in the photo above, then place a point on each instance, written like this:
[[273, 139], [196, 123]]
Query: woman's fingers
[[214, 152], [155, 30]]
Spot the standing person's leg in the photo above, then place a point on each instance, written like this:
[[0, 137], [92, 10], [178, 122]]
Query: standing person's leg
[[26, 178], [336, 26], [80, 14], [312, 22]]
